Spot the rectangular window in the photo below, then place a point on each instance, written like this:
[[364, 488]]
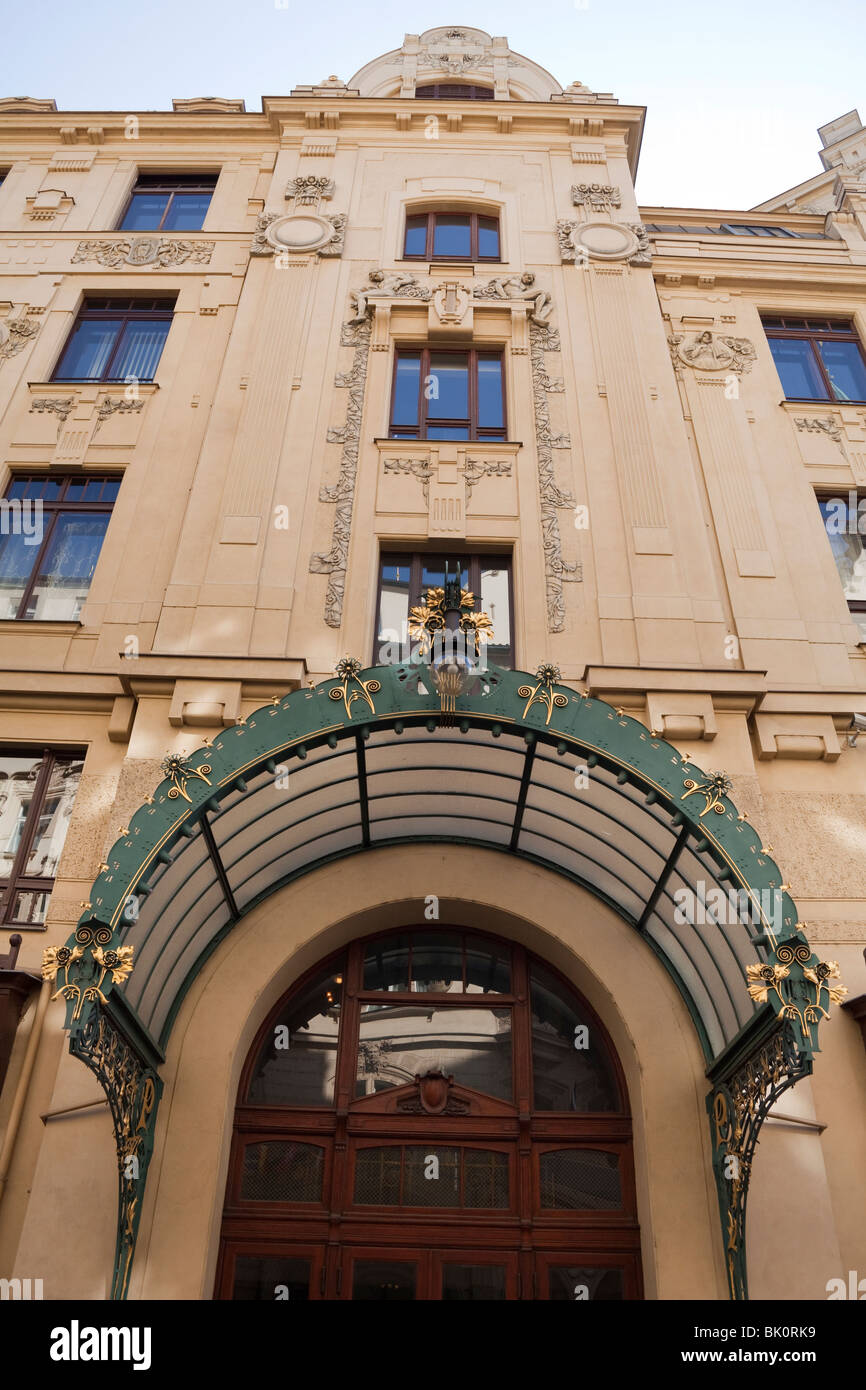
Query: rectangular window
[[451, 236], [448, 393], [845, 524], [51, 533], [116, 340], [168, 203], [817, 359], [37, 789], [405, 579]]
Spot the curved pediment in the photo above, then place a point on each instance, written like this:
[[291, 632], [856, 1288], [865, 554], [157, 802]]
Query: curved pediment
[[455, 54]]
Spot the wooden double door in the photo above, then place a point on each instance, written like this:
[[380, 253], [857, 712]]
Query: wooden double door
[[405, 1273]]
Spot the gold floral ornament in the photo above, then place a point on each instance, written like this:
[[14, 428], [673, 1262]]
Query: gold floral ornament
[[714, 787], [179, 769], [117, 961], [542, 693], [427, 620], [794, 998], [348, 669]]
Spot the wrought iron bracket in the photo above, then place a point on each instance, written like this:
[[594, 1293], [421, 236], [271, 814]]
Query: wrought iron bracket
[[747, 1079]]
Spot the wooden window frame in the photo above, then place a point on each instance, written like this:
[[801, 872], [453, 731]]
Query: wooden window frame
[[838, 331], [476, 561], [52, 508], [18, 881], [476, 434], [174, 185], [95, 310], [474, 257]]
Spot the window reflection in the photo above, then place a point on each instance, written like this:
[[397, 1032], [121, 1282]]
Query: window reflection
[[297, 1063], [570, 1066], [399, 1041]]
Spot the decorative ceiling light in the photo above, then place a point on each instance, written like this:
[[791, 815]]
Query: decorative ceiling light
[[452, 633]]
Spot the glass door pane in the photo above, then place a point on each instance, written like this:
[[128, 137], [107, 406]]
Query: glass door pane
[[383, 1278], [284, 1276], [474, 1277]]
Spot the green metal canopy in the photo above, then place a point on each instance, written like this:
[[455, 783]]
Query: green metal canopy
[[526, 767]]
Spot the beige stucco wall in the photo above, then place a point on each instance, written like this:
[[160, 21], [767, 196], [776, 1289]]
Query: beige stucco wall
[[703, 528]]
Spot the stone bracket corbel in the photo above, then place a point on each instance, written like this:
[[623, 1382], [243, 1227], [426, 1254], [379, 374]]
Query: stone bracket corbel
[[681, 715], [809, 737], [203, 703]]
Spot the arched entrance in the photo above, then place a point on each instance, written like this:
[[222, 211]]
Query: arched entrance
[[431, 1113]]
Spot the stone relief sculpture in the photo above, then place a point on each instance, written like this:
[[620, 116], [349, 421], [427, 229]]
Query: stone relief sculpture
[[15, 334], [598, 197], [320, 234], [158, 252], [708, 353], [308, 190], [355, 333], [557, 570], [519, 287], [385, 284], [643, 254]]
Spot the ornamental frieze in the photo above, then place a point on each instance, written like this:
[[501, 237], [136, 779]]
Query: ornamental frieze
[[158, 252]]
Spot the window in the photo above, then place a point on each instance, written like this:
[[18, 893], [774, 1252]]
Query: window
[[817, 359], [116, 340], [845, 524], [728, 229], [411, 1124], [459, 91], [405, 579], [448, 393], [53, 529], [37, 790], [451, 236], [168, 203]]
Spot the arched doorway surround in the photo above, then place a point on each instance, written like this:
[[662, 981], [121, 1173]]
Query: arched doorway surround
[[368, 762]]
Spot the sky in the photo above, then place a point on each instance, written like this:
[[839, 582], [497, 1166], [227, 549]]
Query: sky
[[734, 89]]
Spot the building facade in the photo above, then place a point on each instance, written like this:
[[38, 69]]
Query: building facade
[[285, 396]]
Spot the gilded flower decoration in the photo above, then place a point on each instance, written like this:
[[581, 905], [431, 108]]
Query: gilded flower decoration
[[427, 620], [789, 993], [542, 694], [56, 959], [348, 669], [714, 787], [180, 771]]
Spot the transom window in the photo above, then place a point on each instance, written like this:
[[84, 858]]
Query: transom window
[[37, 789], [404, 581], [431, 1113], [461, 91], [50, 543], [448, 393], [451, 236], [168, 203], [817, 359], [116, 340]]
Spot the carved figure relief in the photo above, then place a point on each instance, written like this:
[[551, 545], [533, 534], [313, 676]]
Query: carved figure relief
[[385, 284], [519, 287], [707, 352]]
